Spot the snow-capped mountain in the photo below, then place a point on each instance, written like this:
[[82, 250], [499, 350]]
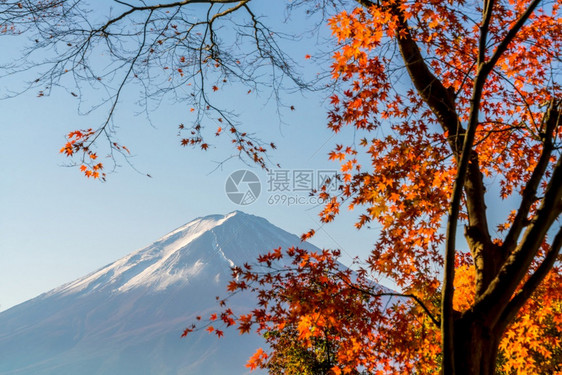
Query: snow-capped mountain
[[127, 317]]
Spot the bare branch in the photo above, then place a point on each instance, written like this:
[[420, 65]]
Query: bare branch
[[179, 51]]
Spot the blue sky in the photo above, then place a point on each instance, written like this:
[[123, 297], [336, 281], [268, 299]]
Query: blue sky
[[56, 225]]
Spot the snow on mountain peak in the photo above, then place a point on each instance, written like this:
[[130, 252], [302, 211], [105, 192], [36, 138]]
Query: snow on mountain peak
[[208, 245], [127, 317]]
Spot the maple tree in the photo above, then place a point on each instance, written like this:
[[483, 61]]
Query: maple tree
[[457, 103], [482, 105]]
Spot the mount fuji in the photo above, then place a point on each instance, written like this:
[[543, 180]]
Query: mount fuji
[[127, 317]]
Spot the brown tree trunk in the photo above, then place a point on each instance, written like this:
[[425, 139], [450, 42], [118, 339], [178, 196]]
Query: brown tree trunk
[[475, 347]]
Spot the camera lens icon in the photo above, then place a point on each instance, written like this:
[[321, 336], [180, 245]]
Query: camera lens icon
[[243, 187]]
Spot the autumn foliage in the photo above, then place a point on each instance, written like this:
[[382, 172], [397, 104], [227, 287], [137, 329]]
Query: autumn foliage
[[455, 104]]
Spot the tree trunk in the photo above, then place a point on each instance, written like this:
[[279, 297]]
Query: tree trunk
[[476, 347]]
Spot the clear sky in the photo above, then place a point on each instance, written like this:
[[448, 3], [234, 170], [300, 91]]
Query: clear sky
[[56, 226]]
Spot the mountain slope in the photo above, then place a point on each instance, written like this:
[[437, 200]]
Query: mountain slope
[[126, 318]]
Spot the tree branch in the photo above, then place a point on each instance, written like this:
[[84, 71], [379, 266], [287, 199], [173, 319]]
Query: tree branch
[[103, 128], [441, 101], [240, 4], [502, 47], [551, 121], [494, 301], [487, 16], [533, 282], [161, 6], [434, 319], [482, 252]]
